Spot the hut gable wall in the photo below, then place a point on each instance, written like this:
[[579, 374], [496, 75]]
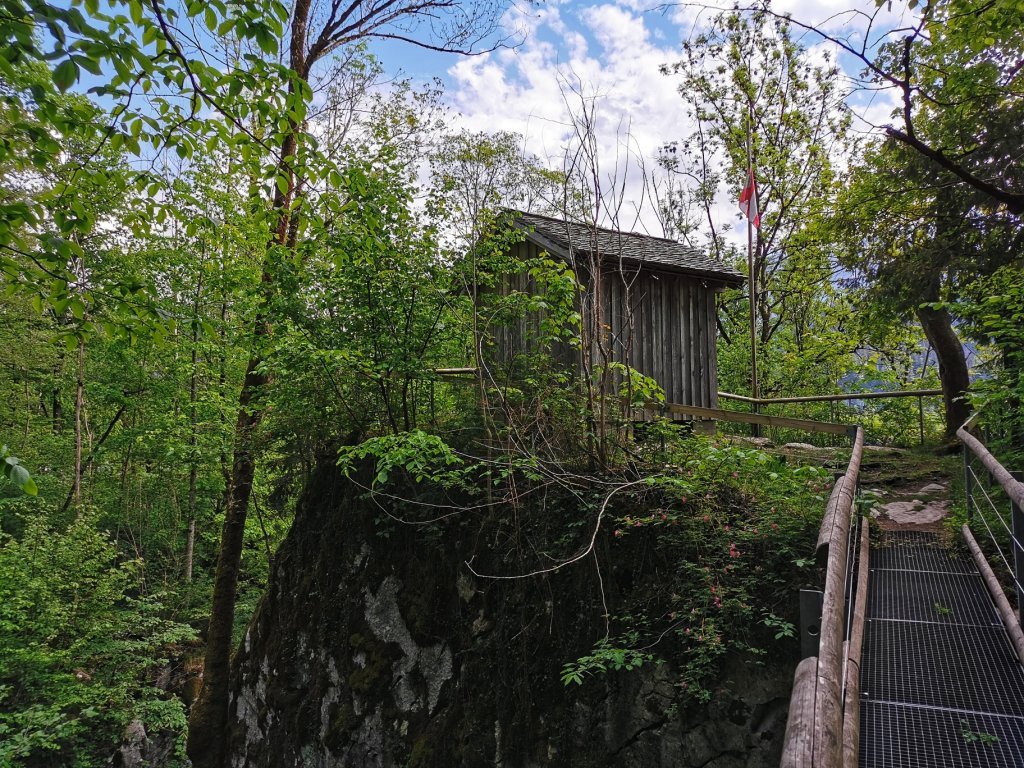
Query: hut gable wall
[[519, 337]]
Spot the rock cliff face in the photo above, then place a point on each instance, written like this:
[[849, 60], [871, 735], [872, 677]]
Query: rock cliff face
[[375, 646]]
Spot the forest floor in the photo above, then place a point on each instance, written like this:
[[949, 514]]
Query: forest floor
[[910, 490], [907, 488]]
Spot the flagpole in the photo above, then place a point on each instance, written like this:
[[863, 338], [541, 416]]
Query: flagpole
[[752, 279]]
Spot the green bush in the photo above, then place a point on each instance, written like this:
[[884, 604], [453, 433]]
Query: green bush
[[733, 529], [80, 642]]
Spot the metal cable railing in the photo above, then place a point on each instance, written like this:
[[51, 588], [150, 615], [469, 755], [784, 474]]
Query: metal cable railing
[[974, 492], [976, 510]]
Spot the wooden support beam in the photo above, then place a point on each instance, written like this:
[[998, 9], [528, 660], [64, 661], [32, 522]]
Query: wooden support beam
[[753, 418], [830, 398]]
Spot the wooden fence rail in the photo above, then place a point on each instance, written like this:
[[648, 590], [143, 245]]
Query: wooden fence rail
[[830, 398], [753, 418]]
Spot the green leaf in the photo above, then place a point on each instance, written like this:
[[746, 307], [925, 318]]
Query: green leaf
[[89, 64], [65, 75], [266, 41], [19, 475]]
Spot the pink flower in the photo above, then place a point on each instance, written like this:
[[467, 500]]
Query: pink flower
[[733, 552], [682, 500], [618, 533]]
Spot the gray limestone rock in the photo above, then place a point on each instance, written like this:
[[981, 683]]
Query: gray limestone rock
[[374, 648]]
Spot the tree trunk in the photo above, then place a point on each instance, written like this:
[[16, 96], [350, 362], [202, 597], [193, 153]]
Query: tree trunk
[[193, 437], [208, 718], [76, 487], [953, 374], [56, 403]]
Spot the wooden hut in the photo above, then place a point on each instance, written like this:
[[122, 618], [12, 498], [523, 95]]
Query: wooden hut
[[651, 299]]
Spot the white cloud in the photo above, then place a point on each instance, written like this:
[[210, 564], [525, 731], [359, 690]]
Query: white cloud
[[604, 52]]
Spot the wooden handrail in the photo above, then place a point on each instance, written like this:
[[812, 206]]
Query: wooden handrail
[[998, 596], [851, 696], [828, 705], [830, 398], [1014, 488], [819, 742]]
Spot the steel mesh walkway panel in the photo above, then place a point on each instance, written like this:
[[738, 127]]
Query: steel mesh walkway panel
[[944, 598], [955, 666], [899, 736], [916, 551], [940, 684]]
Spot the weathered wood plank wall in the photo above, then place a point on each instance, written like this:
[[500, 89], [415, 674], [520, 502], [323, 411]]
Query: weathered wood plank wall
[[661, 324]]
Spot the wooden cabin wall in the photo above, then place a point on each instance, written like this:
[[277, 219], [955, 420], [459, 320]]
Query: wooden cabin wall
[[660, 324], [664, 326], [514, 339]]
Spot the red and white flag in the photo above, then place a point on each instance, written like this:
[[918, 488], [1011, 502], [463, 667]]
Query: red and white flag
[[748, 201]]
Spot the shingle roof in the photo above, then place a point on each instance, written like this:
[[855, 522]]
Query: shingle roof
[[567, 237]]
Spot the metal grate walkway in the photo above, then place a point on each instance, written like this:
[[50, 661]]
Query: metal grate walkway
[[940, 684]]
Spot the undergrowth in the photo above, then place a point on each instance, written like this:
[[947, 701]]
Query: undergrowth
[[735, 526]]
